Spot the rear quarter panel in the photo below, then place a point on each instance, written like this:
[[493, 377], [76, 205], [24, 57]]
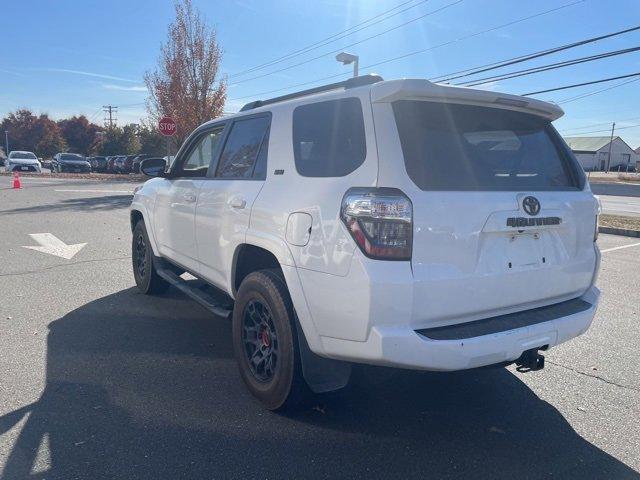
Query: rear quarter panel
[[330, 247]]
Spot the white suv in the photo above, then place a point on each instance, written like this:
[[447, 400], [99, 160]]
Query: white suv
[[399, 223]]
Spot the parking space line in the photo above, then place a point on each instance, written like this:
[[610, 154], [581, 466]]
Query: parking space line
[[619, 248], [92, 191]]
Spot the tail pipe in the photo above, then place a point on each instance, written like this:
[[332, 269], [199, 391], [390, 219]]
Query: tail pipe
[[530, 361]]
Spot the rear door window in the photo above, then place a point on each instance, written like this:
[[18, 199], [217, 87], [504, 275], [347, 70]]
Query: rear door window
[[329, 138], [467, 147], [246, 145]]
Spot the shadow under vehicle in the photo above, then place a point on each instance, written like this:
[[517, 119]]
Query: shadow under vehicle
[[143, 387]]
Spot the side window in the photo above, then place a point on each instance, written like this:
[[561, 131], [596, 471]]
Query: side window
[[329, 138], [243, 147], [199, 158], [260, 170]]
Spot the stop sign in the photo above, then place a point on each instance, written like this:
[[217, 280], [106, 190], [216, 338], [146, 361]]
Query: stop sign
[[167, 126]]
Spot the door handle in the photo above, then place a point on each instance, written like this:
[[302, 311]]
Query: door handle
[[189, 197], [238, 202]]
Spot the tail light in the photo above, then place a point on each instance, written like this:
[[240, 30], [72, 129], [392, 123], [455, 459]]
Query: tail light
[[380, 221]]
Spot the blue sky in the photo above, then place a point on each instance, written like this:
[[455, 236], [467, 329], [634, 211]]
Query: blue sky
[[70, 57]]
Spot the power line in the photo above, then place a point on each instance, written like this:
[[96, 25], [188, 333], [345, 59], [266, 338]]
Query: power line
[[343, 74], [459, 39], [133, 104], [94, 116], [607, 130], [596, 125], [580, 84], [595, 92], [485, 80], [523, 58], [551, 66], [482, 32], [334, 37], [403, 24]]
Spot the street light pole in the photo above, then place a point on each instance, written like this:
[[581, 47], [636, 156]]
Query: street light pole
[[6, 141], [348, 58]]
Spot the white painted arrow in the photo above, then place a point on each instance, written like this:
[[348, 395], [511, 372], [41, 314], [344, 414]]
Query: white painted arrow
[[52, 245]]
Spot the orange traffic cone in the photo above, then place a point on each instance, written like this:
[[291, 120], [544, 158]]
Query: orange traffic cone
[[16, 180]]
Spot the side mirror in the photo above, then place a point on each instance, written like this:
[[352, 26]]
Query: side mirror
[[153, 167]]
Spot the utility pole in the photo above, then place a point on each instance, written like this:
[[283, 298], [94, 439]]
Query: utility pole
[[6, 142], [110, 109], [613, 127]]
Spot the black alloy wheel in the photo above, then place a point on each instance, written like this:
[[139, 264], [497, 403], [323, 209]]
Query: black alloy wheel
[[260, 340]]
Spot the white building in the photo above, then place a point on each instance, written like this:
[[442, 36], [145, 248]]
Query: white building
[[593, 153]]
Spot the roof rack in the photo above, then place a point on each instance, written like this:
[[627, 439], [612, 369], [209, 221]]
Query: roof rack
[[347, 84]]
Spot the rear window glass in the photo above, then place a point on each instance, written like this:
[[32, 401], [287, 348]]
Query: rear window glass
[[329, 138], [466, 147]]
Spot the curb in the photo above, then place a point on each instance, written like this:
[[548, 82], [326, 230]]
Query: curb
[[619, 231]]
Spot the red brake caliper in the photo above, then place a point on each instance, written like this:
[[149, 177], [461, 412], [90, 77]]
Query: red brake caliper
[[264, 336]]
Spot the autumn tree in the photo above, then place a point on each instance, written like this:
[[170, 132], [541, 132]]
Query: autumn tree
[[38, 134], [187, 85], [80, 134]]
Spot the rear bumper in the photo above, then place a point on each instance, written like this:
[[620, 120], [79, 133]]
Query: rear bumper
[[400, 346]]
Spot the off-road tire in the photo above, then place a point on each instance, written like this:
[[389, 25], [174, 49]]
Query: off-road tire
[[285, 388], [144, 270]]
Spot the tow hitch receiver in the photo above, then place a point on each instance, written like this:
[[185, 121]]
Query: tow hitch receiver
[[530, 361]]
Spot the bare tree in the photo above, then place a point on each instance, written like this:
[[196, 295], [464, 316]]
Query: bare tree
[[186, 84]]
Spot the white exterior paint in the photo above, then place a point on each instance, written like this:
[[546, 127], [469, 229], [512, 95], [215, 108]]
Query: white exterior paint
[[355, 308]]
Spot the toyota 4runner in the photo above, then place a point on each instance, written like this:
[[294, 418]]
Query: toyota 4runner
[[398, 223]]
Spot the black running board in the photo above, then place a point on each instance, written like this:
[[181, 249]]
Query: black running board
[[196, 290]]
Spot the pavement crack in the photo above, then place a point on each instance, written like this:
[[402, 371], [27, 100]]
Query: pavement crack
[[597, 377], [62, 265]]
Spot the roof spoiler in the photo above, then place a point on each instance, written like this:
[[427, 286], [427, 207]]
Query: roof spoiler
[[393, 90]]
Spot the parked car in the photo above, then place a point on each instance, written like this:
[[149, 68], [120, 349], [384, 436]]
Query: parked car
[[110, 163], [128, 163], [98, 164], [22, 161], [119, 164], [70, 162], [460, 232], [135, 164]]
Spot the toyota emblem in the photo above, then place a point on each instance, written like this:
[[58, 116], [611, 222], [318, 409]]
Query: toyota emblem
[[531, 205]]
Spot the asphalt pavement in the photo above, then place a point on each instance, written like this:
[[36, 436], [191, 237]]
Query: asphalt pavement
[[99, 381], [619, 198], [616, 205]]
